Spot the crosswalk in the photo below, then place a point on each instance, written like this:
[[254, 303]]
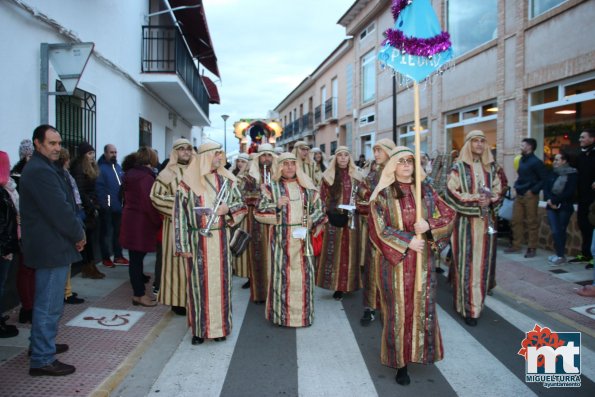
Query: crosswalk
[[338, 357]]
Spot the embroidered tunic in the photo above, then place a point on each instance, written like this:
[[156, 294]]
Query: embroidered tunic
[[209, 271], [410, 330], [290, 299], [473, 250], [241, 264], [172, 287], [338, 265]]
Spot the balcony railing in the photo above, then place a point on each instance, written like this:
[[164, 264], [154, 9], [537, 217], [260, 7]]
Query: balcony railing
[[317, 114], [164, 51], [307, 122], [330, 109]]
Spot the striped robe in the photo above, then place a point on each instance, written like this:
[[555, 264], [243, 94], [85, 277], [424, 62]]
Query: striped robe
[[290, 299], [338, 263], [172, 289], [369, 255], [209, 271], [241, 264], [473, 251], [259, 263], [410, 331]]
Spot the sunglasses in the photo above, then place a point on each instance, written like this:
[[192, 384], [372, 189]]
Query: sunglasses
[[405, 161]]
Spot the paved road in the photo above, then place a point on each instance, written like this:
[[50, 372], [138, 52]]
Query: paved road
[[338, 357]]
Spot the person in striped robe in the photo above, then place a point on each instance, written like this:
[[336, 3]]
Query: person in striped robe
[[258, 246], [241, 264], [369, 256], [209, 257], [172, 290], [291, 206], [473, 249], [410, 330], [338, 265], [305, 162]]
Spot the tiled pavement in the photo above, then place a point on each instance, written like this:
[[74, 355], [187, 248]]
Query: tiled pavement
[[103, 357]]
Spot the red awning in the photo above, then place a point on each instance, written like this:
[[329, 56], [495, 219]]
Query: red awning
[[193, 23], [211, 90]]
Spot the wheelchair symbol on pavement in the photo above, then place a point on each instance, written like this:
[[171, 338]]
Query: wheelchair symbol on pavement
[[117, 320]]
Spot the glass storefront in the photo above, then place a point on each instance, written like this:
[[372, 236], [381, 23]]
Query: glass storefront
[[559, 113], [407, 135], [479, 117]]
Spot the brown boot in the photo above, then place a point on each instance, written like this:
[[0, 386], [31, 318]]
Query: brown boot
[[97, 272], [88, 271]]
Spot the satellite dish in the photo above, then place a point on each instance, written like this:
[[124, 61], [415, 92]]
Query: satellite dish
[[69, 61]]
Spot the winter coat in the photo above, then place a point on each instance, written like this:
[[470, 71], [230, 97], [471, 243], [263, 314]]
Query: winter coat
[[9, 240], [86, 186], [107, 185], [140, 220], [50, 227]]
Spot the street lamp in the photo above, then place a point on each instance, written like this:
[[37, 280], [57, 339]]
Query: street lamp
[[225, 117]]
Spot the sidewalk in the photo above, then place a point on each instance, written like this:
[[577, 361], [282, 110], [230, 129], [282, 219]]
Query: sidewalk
[[104, 352]]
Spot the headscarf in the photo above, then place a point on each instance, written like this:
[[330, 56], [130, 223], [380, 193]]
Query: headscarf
[[329, 174], [279, 150], [317, 150], [303, 179], [296, 146], [245, 157], [171, 169], [195, 174], [387, 145], [466, 154], [265, 148], [388, 173]]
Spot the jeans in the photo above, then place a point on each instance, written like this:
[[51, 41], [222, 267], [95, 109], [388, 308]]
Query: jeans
[[109, 238], [135, 272], [559, 220], [4, 270], [47, 310]]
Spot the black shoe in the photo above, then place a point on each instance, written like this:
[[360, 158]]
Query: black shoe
[[402, 377], [54, 369], [179, 310], [589, 266], [60, 348], [73, 300], [25, 316], [146, 278], [258, 302], [8, 330], [530, 253], [580, 258], [246, 285], [220, 339], [197, 340], [439, 270], [338, 295], [369, 316], [472, 322]]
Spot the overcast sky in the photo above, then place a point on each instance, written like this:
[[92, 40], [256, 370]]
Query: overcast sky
[[265, 48]]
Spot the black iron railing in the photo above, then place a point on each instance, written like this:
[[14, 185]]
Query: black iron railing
[[317, 114], [164, 51]]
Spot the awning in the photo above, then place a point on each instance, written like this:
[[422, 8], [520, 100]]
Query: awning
[[193, 23], [211, 90]]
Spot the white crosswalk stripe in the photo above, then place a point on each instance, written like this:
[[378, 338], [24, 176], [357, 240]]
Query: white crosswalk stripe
[[200, 370], [329, 359]]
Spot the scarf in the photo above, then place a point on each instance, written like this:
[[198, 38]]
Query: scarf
[[560, 183]]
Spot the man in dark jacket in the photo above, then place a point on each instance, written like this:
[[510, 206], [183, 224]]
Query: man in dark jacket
[[585, 166], [107, 187], [531, 176], [52, 237]]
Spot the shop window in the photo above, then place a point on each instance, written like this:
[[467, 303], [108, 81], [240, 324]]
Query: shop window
[[407, 135], [480, 117], [368, 77], [538, 7]]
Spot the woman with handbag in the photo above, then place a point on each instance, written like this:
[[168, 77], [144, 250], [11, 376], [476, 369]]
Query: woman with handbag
[[558, 192], [410, 332], [338, 265]]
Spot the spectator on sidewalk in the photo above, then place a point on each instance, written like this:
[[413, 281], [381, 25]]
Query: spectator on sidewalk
[[107, 187], [474, 190], [531, 176], [558, 192], [25, 274], [85, 172], [9, 239], [589, 290], [140, 220], [64, 163], [586, 192], [172, 283], [52, 236]]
